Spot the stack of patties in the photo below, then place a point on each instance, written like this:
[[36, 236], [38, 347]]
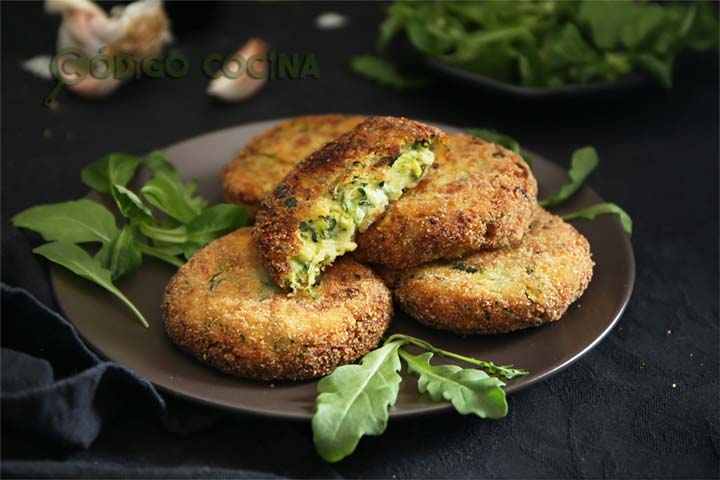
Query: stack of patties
[[450, 222], [229, 307]]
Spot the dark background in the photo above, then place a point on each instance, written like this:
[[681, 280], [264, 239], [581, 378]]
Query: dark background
[[613, 414]]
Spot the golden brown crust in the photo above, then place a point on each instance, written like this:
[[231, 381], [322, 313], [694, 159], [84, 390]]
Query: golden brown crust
[[501, 290], [223, 309], [482, 196], [267, 158], [358, 152]]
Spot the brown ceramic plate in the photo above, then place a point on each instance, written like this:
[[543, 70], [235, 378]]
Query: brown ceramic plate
[[112, 331]]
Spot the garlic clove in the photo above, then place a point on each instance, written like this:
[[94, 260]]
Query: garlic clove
[[245, 86], [91, 87], [331, 21]]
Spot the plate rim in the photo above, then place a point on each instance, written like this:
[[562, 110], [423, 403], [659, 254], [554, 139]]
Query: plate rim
[[428, 410]]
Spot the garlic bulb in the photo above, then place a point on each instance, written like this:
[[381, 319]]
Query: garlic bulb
[[138, 29], [244, 86]]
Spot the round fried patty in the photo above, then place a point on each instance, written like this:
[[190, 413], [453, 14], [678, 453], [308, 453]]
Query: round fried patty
[[223, 309], [311, 217], [501, 290], [481, 196], [267, 158]]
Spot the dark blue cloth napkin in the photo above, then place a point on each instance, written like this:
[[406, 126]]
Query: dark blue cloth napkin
[[55, 388]]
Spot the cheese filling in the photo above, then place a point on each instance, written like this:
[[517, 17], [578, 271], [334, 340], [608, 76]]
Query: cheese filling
[[352, 208]]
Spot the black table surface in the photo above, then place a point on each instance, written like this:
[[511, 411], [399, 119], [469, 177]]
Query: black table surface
[[643, 403]]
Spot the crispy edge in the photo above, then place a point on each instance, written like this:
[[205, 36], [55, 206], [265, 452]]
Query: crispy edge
[[415, 230], [463, 313], [217, 344], [248, 193], [281, 211]]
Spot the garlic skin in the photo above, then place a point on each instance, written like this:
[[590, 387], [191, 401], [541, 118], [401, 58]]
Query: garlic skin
[[243, 87], [331, 21], [39, 66], [138, 29], [143, 27]]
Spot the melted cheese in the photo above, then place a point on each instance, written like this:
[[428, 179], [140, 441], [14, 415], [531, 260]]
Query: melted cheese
[[352, 208]]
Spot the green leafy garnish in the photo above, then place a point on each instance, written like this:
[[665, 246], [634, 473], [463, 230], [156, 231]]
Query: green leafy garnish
[[130, 204], [584, 161], [493, 136], [77, 221], [166, 254], [212, 223], [384, 72], [354, 399], [116, 168], [81, 263], [170, 196], [158, 164], [121, 256], [593, 211], [503, 370], [554, 43], [468, 389], [190, 224], [168, 193]]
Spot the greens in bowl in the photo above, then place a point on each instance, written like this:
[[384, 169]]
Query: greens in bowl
[[554, 43]]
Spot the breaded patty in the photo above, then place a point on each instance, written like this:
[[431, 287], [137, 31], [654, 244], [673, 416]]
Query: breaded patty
[[501, 290], [482, 196], [312, 216], [223, 309], [267, 158]]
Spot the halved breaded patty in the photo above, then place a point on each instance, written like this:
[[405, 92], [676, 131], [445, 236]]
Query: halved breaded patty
[[267, 158], [482, 196], [223, 309], [312, 216], [501, 290]]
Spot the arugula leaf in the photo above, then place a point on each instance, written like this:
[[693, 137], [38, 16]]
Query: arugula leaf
[[212, 223], [354, 401], [494, 136], [72, 222], [167, 192], [660, 68], [166, 254], [388, 29], [115, 168], [171, 197], [503, 370], [384, 72], [121, 256], [171, 236], [81, 263], [568, 48], [606, 20], [593, 211], [158, 163], [130, 204], [469, 390], [703, 31], [584, 161]]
